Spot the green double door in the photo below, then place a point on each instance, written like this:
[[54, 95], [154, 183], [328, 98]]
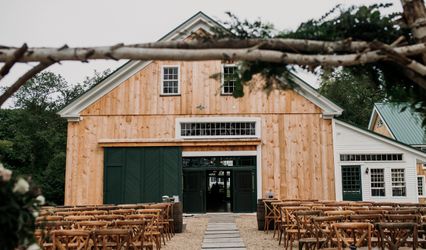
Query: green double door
[[243, 189], [135, 175]]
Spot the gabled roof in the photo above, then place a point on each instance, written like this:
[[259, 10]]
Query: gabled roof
[[196, 22], [405, 126], [380, 137]]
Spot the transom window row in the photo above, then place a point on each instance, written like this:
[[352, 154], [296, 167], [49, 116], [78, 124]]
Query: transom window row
[[218, 129], [371, 157]]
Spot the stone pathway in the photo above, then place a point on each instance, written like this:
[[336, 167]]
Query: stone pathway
[[222, 233]]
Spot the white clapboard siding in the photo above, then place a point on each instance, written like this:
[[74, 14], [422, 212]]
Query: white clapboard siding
[[351, 140]]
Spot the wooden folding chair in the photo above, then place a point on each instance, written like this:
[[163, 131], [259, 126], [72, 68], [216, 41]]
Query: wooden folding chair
[[353, 234], [109, 217], [79, 218], [111, 239], [269, 214], [339, 212], [137, 231], [288, 227], [49, 218], [92, 225], [402, 218], [396, 235], [70, 239], [305, 231]]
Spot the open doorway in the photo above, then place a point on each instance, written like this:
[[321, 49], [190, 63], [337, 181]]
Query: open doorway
[[218, 197]]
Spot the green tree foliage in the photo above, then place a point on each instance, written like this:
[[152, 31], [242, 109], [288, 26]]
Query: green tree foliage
[[354, 93], [33, 136], [366, 23]]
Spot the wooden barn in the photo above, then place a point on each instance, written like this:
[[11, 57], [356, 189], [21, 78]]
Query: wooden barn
[[155, 128]]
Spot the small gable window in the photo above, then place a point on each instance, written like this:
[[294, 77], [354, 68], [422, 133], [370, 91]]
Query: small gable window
[[229, 78], [170, 80]]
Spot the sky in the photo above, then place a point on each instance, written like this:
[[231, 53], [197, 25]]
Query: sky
[[54, 23]]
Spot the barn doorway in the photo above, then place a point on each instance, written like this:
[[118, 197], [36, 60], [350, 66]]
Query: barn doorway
[[219, 184], [218, 198]]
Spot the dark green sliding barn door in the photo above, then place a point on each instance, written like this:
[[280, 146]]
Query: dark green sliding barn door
[[135, 175], [244, 195]]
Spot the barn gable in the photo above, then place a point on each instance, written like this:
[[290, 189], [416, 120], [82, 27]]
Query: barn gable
[[130, 70]]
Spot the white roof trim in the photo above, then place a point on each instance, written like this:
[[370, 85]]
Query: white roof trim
[[329, 108], [379, 137], [372, 118], [200, 20]]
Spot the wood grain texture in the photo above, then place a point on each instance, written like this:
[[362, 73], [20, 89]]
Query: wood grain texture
[[380, 127], [296, 142]]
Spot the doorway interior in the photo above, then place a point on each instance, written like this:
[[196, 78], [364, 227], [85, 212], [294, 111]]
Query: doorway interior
[[218, 198], [219, 184]]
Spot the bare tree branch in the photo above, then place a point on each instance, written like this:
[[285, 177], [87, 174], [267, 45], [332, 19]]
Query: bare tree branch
[[281, 44], [419, 80], [9, 64], [22, 80], [401, 59], [124, 52]]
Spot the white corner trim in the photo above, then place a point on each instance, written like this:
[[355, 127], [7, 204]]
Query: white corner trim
[[372, 134], [337, 174]]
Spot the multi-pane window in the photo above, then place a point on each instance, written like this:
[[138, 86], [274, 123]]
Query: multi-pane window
[[170, 80], [398, 182], [377, 182], [371, 157], [229, 78], [420, 185], [235, 129]]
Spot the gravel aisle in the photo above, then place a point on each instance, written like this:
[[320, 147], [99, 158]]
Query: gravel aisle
[[253, 238], [192, 237]]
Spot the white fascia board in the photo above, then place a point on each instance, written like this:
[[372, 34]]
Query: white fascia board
[[371, 122], [329, 108], [420, 155]]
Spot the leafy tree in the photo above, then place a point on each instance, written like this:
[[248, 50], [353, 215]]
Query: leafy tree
[[34, 136], [354, 93], [356, 23]]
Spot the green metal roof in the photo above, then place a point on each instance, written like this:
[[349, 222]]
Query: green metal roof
[[406, 125]]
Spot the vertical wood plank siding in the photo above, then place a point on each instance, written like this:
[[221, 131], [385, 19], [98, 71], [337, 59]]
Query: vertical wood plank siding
[[296, 143]]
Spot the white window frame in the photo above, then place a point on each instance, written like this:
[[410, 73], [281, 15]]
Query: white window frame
[[423, 185], [162, 80], [384, 183], [222, 82], [256, 120], [405, 182]]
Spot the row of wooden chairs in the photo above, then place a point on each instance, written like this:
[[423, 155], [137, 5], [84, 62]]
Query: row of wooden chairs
[[156, 218], [297, 221]]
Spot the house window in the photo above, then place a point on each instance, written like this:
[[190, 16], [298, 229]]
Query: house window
[[421, 185], [241, 129], [371, 157], [217, 127], [170, 80], [398, 182], [229, 78], [377, 182]]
